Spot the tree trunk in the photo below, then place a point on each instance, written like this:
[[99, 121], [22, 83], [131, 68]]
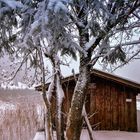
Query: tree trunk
[[59, 120], [59, 123], [48, 124], [59, 100], [48, 120], [75, 119]]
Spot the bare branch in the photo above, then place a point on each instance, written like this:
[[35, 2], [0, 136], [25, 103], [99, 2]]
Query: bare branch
[[88, 123], [93, 114], [136, 15]]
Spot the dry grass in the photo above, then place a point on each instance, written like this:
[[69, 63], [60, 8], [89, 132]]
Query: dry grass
[[20, 119]]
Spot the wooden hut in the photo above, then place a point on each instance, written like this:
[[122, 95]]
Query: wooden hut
[[110, 98]]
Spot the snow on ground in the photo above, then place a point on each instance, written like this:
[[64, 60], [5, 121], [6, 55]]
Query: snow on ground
[[4, 107], [111, 135], [101, 135], [116, 135], [11, 85], [39, 136], [7, 106]]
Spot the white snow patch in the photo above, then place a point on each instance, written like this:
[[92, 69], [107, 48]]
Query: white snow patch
[[12, 3], [50, 89], [60, 92], [7, 106], [39, 136], [58, 5], [11, 85], [90, 43], [138, 105], [34, 25]]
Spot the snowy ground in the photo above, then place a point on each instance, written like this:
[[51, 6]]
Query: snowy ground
[[102, 135], [115, 135]]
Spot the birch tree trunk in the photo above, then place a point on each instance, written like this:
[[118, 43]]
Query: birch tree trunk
[[59, 116], [59, 99], [48, 120], [59, 123]]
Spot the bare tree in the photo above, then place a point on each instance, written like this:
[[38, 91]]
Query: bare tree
[[104, 32]]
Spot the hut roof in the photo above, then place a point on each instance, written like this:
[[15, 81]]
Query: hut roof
[[104, 75]]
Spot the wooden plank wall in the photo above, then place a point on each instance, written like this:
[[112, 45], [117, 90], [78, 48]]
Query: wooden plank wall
[[108, 100], [114, 113]]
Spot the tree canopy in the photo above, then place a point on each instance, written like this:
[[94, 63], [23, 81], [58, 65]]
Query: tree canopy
[[110, 26], [103, 31]]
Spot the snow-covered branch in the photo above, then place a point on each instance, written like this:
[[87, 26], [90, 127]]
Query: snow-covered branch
[[134, 42], [121, 17], [19, 68], [127, 60], [12, 3], [90, 43]]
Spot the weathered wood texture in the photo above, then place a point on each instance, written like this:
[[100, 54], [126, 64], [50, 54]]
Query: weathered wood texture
[[114, 104]]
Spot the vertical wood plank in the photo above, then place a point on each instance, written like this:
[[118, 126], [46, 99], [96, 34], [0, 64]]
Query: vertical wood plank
[[102, 115], [92, 105], [122, 110], [114, 107], [108, 106], [133, 112], [127, 111], [98, 115]]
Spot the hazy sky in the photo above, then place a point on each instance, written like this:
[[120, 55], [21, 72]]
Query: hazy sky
[[130, 71]]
